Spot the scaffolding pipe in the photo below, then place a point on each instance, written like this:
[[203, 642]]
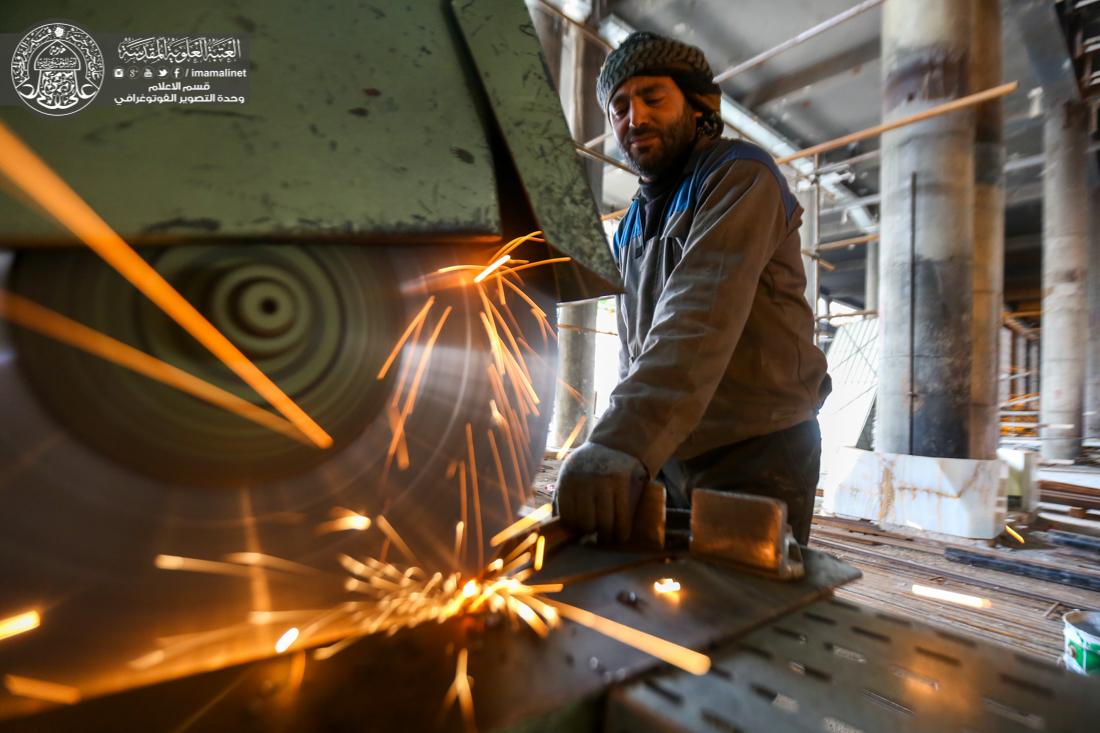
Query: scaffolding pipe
[[956, 104], [846, 243], [584, 29], [801, 38]]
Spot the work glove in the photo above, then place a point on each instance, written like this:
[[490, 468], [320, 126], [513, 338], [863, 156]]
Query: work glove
[[598, 491]]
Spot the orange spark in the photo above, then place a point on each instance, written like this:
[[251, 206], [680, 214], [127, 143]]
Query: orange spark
[[521, 547], [410, 399], [257, 559], [417, 319], [41, 690], [516, 564], [529, 265], [571, 390], [463, 691], [1015, 535], [540, 552], [518, 468], [392, 536], [19, 624], [460, 527], [491, 268], [190, 564], [332, 649], [476, 496], [462, 505], [49, 191], [528, 615], [456, 268], [392, 418], [572, 436], [512, 341], [494, 340], [516, 328], [500, 473], [286, 640], [666, 585], [545, 588], [49, 323], [522, 525], [674, 654], [345, 519], [406, 367], [520, 293], [498, 418], [513, 244]]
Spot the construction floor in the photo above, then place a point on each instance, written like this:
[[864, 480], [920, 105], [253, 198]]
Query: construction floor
[[1023, 613]]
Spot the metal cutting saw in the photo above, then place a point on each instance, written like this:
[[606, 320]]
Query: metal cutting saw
[[275, 381]]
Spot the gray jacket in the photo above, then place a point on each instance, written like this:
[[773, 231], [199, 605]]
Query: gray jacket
[[716, 335]]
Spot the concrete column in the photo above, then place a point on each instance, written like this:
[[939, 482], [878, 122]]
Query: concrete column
[[1019, 364], [1033, 367], [1092, 382], [870, 277], [1007, 341], [926, 250], [1065, 253], [989, 239], [808, 236], [580, 64], [577, 364]]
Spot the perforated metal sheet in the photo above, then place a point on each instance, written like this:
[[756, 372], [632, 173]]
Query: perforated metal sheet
[[840, 668]]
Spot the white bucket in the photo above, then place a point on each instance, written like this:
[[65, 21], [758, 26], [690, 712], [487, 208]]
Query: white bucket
[[1082, 634]]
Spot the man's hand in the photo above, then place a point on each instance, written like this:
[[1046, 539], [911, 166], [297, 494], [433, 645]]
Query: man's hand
[[598, 491]]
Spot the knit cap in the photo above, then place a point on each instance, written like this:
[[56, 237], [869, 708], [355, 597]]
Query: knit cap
[[648, 54]]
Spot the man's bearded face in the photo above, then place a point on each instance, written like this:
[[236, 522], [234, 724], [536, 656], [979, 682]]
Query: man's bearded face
[[653, 123]]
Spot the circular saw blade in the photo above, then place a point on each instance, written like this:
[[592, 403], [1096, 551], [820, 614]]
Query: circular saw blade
[[158, 535]]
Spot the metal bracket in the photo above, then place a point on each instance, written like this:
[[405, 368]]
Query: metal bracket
[[748, 531]]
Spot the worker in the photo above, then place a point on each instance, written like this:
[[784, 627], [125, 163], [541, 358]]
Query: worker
[[719, 377]]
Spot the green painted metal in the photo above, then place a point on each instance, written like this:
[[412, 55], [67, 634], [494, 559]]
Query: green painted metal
[[363, 121], [506, 52]]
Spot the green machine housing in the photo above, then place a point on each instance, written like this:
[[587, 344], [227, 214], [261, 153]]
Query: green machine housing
[[368, 122]]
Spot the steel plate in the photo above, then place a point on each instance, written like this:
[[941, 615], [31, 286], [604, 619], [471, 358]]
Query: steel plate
[[520, 682], [842, 668]]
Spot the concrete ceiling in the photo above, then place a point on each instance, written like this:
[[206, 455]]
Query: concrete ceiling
[[830, 86]]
